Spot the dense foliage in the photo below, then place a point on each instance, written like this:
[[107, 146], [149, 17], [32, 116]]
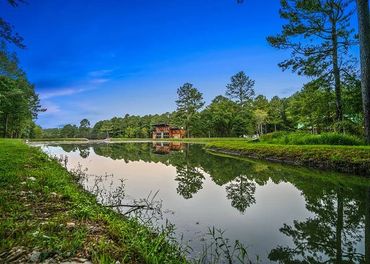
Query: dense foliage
[[19, 105], [299, 138]]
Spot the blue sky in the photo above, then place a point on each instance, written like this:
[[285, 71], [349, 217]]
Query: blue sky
[[97, 59]]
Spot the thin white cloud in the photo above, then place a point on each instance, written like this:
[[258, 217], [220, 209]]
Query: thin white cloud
[[99, 81], [94, 79], [99, 73], [61, 92]]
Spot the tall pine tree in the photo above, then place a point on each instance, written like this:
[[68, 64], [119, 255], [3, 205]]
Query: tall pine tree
[[240, 88], [189, 101], [317, 33]]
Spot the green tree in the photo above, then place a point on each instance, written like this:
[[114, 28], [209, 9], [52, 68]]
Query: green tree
[[352, 107], [84, 128], [319, 36], [261, 102], [276, 112], [261, 119], [19, 105], [51, 133], [241, 88], [221, 114], [69, 131], [313, 107], [35, 131], [225, 118], [260, 112], [117, 126], [9, 64], [106, 128], [189, 101]]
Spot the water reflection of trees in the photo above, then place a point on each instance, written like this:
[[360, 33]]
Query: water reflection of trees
[[340, 205], [241, 193], [334, 232], [69, 147], [84, 150], [191, 163], [190, 180]]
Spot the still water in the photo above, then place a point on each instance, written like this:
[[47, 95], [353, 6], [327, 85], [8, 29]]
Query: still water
[[280, 213]]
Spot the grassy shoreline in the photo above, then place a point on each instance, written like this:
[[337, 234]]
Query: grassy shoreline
[[47, 215], [347, 159]]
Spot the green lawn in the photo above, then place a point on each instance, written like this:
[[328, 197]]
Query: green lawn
[[43, 209], [351, 159]]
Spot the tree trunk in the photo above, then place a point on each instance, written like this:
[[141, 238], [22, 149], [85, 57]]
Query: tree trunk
[[364, 34], [241, 97], [336, 73], [187, 128], [6, 121]]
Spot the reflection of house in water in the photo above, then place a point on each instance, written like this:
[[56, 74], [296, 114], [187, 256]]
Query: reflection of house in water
[[163, 130], [167, 147]]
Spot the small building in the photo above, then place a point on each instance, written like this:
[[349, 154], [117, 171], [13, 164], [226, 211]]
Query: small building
[[167, 147], [163, 130]]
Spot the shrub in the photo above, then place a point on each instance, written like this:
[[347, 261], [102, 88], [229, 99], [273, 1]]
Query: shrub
[[301, 138]]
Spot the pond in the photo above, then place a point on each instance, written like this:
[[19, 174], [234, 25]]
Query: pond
[[280, 213]]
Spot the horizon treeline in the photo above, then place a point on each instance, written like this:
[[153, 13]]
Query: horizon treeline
[[237, 113]]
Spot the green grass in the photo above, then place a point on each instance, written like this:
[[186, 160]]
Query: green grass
[[38, 198], [57, 139], [350, 159], [300, 138]]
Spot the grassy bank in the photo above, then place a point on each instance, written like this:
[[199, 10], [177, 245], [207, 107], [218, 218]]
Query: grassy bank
[[349, 159], [46, 214], [302, 138]]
